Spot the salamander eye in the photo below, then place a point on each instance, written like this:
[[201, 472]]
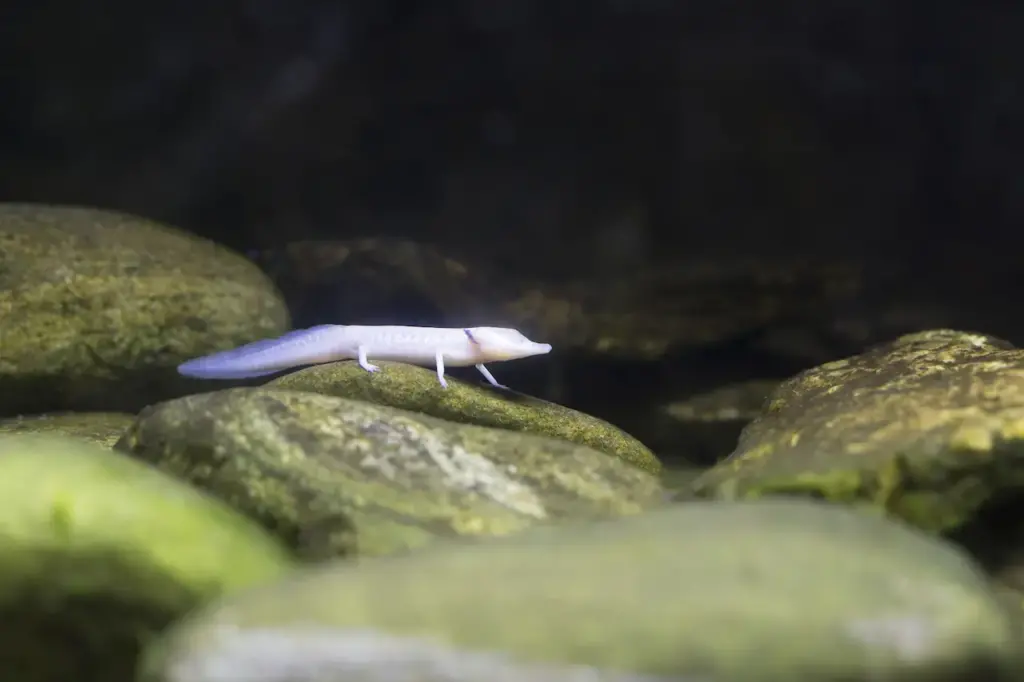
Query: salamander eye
[[469, 335]]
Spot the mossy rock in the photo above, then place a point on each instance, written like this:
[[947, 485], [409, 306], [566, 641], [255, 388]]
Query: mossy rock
[[651, 313], [929, 427], [99, 307], [98, 553], [102, 428], [703, 429], [336, 477], [644, 314], [763, 591], [409, 387]]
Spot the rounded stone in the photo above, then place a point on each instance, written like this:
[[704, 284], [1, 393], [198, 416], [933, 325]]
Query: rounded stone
[[98, 553], [763, 591]]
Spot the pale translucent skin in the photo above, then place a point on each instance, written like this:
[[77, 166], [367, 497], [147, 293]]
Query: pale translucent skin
[[427, 346]]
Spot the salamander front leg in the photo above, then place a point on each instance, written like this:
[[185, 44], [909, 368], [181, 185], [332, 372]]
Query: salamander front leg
[[363, 362], [439, 359], [487, 375]]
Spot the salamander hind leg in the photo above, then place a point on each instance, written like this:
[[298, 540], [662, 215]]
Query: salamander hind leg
[[364, 363]]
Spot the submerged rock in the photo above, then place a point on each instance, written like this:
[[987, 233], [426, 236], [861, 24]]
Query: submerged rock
[[334, 477], [767, 591], [102, 428], [415, 388], [640, 315], [703, 428], [99, 307], [929, 427], [98, 553]]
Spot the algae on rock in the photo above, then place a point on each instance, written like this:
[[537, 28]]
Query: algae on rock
[[414, 388], [334, 477], [929, 427], [98, 308], [102, 428], [98, 553], [763, 591]]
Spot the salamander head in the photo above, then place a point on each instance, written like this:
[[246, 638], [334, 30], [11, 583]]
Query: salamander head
[[499, 343]]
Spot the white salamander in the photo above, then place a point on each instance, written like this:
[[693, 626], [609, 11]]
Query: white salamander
[[424, 346]]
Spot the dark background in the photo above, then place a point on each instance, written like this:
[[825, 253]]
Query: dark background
[[557, 142]]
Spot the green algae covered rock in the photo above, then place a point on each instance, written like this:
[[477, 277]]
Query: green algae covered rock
[[763, 591], [98, 553], [98, 308], [334, 477], [102, 428], [929, 428], [415, 388]]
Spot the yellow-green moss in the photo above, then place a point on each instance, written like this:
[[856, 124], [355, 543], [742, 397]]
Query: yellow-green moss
[[98, 308], [333, 476], [929, 427], [98, 553], [414, 388]]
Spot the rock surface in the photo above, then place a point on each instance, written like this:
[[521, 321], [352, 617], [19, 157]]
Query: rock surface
[[99, 307], [415, 388], [332, 476], [766, 591], [102, 428], [929, 427], [98, 553]]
